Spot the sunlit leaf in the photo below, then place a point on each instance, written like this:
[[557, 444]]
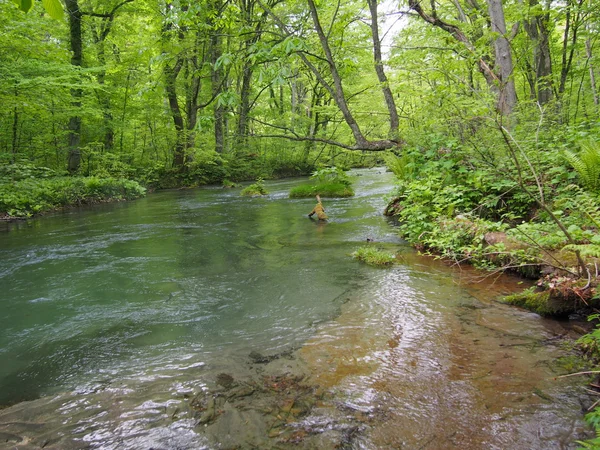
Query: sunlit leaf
[[54, 8], [24, 5]]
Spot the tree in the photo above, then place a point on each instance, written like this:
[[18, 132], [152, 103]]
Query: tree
[[331, 80]]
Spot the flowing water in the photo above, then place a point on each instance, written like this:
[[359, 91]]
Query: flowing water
[[200, 319]]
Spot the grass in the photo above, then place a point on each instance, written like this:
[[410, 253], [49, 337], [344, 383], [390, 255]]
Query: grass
[[326, 190], [373, 256]]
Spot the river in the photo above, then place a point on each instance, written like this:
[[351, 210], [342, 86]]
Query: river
[[197, 319]]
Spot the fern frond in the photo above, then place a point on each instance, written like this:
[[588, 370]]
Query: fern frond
[[585, 250], [586, 204], [587, 164], [401, 166]]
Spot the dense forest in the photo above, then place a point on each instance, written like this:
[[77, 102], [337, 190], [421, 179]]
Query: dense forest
[[487, 112]]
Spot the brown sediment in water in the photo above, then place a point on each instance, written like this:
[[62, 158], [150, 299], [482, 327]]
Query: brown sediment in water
[[463, 372]]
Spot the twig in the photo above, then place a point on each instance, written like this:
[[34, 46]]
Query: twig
[[589, 372], [594, 405]]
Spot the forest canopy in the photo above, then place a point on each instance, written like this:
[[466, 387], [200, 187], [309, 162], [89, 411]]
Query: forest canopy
[[130, 86]]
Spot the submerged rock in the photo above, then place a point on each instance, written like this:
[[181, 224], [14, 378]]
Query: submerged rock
[[225, 380]]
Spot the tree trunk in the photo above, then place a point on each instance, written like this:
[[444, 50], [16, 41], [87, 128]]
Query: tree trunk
[[247, 9], [74, 136], [217, 80], [537, 30], [570, 34], [383, 81], [588, 51], [171, 74], [507, 98]]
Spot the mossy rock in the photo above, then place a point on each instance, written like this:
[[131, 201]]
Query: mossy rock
[[325, 190], [543, 303]]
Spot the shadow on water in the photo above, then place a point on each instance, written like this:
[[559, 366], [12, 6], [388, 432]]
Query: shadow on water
[[200, 319]]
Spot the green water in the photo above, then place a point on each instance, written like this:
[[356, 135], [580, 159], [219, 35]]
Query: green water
[[113, 318], [123, 289]]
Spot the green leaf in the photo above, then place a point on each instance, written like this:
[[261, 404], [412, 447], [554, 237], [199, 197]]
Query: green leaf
[[54, 8], [24, 5]]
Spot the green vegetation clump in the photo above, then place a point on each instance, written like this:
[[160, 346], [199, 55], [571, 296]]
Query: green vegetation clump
[[27, 197], [374, 256], [255, 189], [329, 182], [326, 190]]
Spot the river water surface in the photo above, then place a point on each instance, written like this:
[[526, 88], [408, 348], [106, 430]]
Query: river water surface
[[201, 319]]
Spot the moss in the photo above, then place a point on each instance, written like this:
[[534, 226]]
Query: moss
[[374, 257], [541, 302], [327, 190]]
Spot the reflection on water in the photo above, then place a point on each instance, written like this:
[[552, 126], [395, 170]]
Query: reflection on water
[[436, 367], [199, 319]]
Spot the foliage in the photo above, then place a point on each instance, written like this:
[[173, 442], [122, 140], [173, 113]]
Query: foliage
[[402, 166], [32, 196], [590, 343], [331, 175], [255, 189], [328, 182], [22, 171], [587, 164], [53, 7], [373, 256]]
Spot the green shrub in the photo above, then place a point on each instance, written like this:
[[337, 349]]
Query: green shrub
[[31, 196], [374, 256], [255, 189]]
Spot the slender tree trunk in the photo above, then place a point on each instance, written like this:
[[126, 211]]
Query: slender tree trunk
[[507, 99], [247, 9], [541, 69], [337, 91], [74, 136], [104, 99], [124, 113], [171, 73], [588, 51], [15, 129], [383, 81], [217, 81], [569, 37]]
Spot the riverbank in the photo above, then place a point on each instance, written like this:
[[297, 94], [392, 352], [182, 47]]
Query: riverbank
[[564, 266], [28, 197]]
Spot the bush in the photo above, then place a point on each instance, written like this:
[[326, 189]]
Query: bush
[[330, 182], [27, 197], [255, 189]]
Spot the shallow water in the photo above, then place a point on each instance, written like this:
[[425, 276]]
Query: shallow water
[[200, 319]]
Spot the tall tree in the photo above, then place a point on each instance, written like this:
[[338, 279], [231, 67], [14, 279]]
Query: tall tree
[[385, 86], [76, 43], [334, 87], [507, 98]]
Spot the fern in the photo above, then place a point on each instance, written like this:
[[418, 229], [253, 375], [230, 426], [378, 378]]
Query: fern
[[586, 204], [401, 166], [587, 164], [585, 250]]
